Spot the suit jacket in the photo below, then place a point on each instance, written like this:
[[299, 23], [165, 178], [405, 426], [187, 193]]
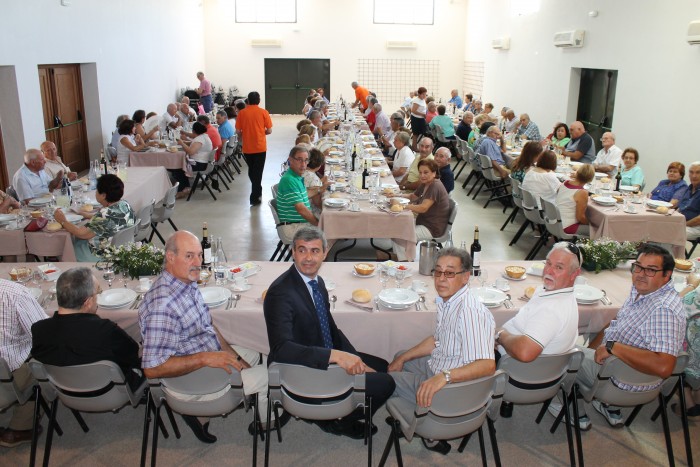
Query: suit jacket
[[293, 328]]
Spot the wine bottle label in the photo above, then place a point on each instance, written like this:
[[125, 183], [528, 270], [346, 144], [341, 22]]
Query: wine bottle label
[[476, 259], [207, 255]]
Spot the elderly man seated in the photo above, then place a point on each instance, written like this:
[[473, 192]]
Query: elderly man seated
[[169, 120], [31, 180], [609, 157], [442, 159], [511, 123], [386, 139], [490, 147], [54, 164], [465, 126], [528, 128], [455, 99]]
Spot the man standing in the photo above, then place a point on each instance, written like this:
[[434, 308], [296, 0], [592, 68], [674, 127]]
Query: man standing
[[31, 180], [581, 147], [293, 206], [54, 164], [455, 99], [301, 330], [442, 158], [178, 334], [18, 311], [465, 126], [688, 202], [75, 335], [461, 349], [411, 180], [490, 147], [608, 158], [646, 334], [253, 124], [204, 91], [528, 128], [360, 96]]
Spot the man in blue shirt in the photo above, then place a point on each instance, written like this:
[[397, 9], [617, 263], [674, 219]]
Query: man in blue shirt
[[225, 128], [490, 148], [455, 100], [31, 180], [442, 158], [688, 202]]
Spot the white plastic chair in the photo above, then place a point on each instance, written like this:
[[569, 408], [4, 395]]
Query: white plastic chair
[[164, 212]]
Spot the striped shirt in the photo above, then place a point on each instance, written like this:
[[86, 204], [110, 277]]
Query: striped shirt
[[174, 321], [291, 191], [654, 322], [18, 311], [464, 332]]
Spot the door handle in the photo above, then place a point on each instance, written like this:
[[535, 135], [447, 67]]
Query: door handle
[[57, 121], [80, 114]]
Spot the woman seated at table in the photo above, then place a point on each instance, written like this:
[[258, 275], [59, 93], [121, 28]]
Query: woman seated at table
[[668, 189], [444, 122], [403, 158], [572, 200], [7, 203], [139, 119], [129, 141], [632, 174], [432, 112], [91, 239], [430, 202], [199, 148], [541, 180], [302, 122], [316, 183], [560, 136], [527, 159]]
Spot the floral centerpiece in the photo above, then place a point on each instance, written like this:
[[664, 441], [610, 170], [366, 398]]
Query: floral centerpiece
[[137, 259], [604, 253]]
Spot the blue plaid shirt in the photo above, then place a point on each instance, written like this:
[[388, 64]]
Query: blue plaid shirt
[[174, 321], [531, 131], [655, 322]]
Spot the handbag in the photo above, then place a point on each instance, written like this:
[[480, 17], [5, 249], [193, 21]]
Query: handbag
[[36, 224]]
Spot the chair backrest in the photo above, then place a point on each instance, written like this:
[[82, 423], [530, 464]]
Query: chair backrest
[[440, 134], [288, 383], [530, 207], [609, 392], [12, 192], [515, 191], [275, 189], [487, 168], [450, 221], [552, 218], [143, 219], [462, 147], [692, 338], [540, 379], [9, 391], [124, 236], [681, 364], [197, 383], [164, 209], [458, 409], [285, 239], [93, 387], [110, 151]]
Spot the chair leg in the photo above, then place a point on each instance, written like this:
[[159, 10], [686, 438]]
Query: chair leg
[[267, 428], [684, 419], [519, 233], [146, 428], [464, 442], [510, 218], [197, 179], [80, 420], [256, 424], [577, 429], [172, 224], [482, 447], [35, 424], [279, 246], [543, 410], [154, 443], [289, 255], [667, 431], [49, 432], [633, 415], [368, 429], [567, 422], [494, 442]]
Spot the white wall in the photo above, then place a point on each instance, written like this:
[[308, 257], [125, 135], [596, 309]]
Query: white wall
[[644, 40], [143, 52], [340, 30]]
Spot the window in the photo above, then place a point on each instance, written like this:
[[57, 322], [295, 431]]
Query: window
[[266, 11], [404, 11]]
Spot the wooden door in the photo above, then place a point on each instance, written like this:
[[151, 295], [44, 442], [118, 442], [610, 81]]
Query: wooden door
[[4, 177], [62, 101]]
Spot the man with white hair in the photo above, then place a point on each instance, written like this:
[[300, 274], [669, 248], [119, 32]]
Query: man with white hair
[[204, 91], [382, 125], [465, 126], [491, 148], [608, 159], [511, 123], [386, 139], [361, 94], [528, 128], [455, 99], [31, 180], [190, 112], [442, 159], [477, 107], [688, 203], [54, 164], [184, 113], [169, 119]]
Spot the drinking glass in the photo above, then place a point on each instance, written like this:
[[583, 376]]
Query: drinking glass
[[399, 276], [37, 276], [483, 277], [383, 277], [108, 274]]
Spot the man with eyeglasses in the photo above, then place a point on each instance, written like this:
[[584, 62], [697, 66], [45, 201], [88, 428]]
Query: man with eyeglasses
[[646, 334], [461, 349], [293, 205], [608, 158], [548, 323]]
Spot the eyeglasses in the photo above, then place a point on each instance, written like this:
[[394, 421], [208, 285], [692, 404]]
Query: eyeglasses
[[649, 272], [447, 274], [575, 250], [303, 161]]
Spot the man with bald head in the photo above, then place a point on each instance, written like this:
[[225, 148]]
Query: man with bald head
[[361, 94], [455, 99], [54, 164], [581, 147], [31, 180], [169, 120], [442, 159], [183, 113], [179, 336], [608, 158]]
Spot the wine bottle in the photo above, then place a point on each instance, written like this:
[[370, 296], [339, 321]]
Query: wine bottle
[[365, 174], [618, 177], [206, 247], [476, 253], [353, 157], [103, 161]]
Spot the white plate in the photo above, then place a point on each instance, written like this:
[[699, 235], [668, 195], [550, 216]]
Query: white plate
[[5, 218], [39, 201], [489, 296], [338, 173], [73, 218], [242, 288], [627, 188], [600, 175], [336, 202], [522, 278], [686, 271], [656, 203], [140, 289], [362, 276], [116, 298], [397, 298], [587, 294], [52, 276], [248, 269], [536, 271], [330, 285], [334, 161], [377, 158], [214, 296], [35, 292], [401, 201], [393, 186], [679, 286], [605, 200]]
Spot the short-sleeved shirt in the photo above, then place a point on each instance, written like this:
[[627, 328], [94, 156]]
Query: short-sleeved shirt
[[584, 144], [689, 202], [361, 95], [165, 120], [18, 311], [435, 218], [532, 131], [422, 107], [252, 122], [205, 86], [611, 156], [215, 138], [226, 131], [30, 184], [489, 148], [445, 122], [413, 170], [53, 167], [456, 100], [463, 334], [550, 318], [107, 222], [403, 158], [174, 322], [291, 191], [202, 154], [666, 191], [633, 176], [447, 178]]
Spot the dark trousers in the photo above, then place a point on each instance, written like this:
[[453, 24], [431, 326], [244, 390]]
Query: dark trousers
[[380, 385], [179, 176], [207, 103], [256, 166]]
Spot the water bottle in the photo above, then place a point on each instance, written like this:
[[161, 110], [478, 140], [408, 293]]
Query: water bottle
[[219, 261], [92, 176]]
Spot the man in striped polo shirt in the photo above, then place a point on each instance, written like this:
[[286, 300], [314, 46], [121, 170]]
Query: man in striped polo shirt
[[293, 206], [461, 349]]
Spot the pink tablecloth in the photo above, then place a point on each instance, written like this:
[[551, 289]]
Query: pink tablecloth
[[144, 184], [169, 160], [383, 333], [614, 223]]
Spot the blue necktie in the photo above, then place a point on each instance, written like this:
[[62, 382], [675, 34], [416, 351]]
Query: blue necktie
[[322, 314]]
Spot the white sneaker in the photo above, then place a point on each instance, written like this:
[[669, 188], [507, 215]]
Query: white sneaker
[[614, 417], [584, 423]]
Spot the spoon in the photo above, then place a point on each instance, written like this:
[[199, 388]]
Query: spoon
[[605, 298], [508, 303], [333, 299], [236, 298], [421, 300]]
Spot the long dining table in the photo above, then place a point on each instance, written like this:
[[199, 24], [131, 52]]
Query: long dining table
[[381, 333], [161, 158]]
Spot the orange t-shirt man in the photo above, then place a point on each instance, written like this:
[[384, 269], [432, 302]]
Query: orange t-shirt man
[[253, 124], [361, 95]]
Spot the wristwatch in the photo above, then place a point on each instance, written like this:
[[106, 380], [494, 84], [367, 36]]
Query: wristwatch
[[448, 378], [609, 346]]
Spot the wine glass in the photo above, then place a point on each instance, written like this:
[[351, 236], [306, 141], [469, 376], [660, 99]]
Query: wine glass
[[108, 274], [383, 277], [399, 276], [37, 276]]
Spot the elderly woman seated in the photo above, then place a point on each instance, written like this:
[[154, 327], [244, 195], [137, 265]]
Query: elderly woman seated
[[668, 189], [632, 174], [541, 180], [129, 141], [91, 239], [7, 203], [430, 202], [314, 182]]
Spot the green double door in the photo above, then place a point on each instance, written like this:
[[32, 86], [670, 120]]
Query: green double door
[[288, 81]]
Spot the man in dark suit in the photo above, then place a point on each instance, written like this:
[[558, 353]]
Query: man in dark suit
[[301, 330]]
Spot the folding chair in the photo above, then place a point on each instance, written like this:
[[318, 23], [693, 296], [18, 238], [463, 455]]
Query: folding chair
[[164, 212], [203, 177]]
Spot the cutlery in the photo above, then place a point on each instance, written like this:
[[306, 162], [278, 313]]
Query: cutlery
[[357, 305], [376, 303], [333, 299], [421, 300], [605, 298], [235, 299], [524, 298], [507, 302], [136, 303], [228, 303]]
